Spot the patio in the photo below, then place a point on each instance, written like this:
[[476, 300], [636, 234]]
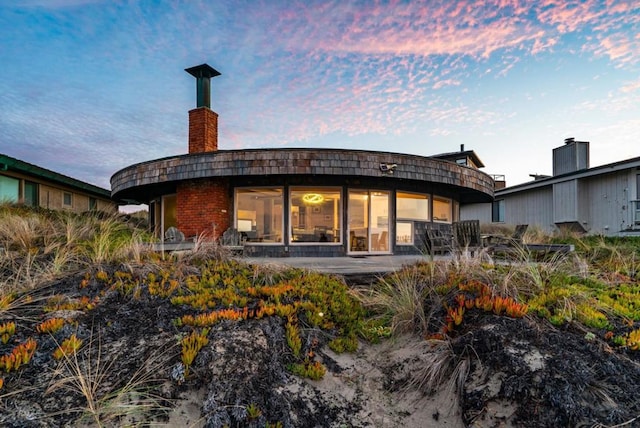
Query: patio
[[346, 266]]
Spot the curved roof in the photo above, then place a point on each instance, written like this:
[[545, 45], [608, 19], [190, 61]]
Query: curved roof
[[133, 183]]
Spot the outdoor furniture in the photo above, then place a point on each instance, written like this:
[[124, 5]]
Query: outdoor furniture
[[173, 236], [438, 242], [513, 240], [233, 240], [466, 235]]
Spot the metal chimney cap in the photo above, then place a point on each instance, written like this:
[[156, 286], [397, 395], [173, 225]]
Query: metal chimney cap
[[202, 71]]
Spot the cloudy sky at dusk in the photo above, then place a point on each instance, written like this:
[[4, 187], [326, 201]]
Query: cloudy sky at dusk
[[91, 86]]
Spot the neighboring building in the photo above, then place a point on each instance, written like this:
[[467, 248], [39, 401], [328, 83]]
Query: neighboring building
[[22, 182], [300, 202], [601, 200]]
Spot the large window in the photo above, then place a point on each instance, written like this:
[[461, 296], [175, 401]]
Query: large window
[[497, 211], [9, 188], [315, 215], [409, 207], [412, 206], [404, 233], [259, 214], [442, 211], [31, 194]]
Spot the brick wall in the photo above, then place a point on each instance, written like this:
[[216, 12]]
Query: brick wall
[[204, 207], [203, 130]]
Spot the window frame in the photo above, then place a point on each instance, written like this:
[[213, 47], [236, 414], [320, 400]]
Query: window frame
[[449, 201], [36, 193], [427, 197], [316, 189], [64, 199], [498, 211], [15, 193], [411, 233], [235, 213]]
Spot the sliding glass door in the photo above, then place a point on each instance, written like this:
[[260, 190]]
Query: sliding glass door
[[368, 215]]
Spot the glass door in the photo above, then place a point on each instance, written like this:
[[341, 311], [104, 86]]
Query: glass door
[[358, 221], [379, 224], [368, 222]]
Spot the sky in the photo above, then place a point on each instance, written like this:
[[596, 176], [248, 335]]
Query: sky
[[88, 87]]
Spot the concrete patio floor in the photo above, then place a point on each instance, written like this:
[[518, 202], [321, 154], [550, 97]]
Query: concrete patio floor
[[346, 266]]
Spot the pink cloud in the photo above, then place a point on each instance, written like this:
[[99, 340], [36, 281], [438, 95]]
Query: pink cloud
[[451, 28], [377, 67], [569, 15], [619, 49], [631, 86], [448, 82]]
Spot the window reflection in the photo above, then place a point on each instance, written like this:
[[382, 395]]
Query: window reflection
[[9, 188], [315, 215]]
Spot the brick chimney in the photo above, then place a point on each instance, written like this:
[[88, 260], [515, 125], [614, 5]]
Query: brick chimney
[[203, 122]]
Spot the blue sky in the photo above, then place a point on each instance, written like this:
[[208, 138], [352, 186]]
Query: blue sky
[[89, 86]]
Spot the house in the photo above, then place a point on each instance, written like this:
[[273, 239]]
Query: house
[[299, 202], [600, 200], [22, 182]]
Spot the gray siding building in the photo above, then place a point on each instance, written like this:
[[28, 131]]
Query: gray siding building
[[601, 200]]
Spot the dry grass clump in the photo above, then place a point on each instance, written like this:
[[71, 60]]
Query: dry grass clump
[[399, 299], [441, 366], [38, 245], [108, 399]]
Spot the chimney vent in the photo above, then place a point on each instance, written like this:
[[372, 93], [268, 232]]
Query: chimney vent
[[462, 147], [203, 122], [572, 157], [203, 74]]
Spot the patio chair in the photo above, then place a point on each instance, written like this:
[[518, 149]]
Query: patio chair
[[438, 242], [173, 236], [466, 236]]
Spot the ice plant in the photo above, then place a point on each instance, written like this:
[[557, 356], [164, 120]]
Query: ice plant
[[7, 330], [50, 326], [313, 370], [211, 318], [20, 355], [5, 301], [68, 346], [191, 345], [293, 337], [633, 340]]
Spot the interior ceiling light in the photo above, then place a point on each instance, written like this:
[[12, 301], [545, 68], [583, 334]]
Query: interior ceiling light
[[312, 198]]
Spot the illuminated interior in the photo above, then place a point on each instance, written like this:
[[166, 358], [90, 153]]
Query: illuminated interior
[[259, 214], [315, 215], [442, 210]]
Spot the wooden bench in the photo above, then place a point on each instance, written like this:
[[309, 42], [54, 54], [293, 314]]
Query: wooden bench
[[500, 240]]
